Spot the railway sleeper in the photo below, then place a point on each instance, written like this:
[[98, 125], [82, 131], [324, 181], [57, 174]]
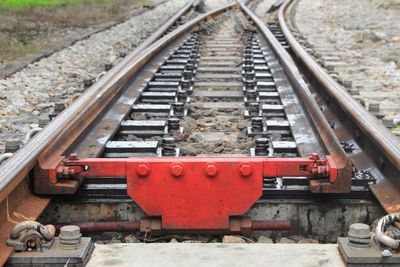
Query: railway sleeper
[[143, 158]]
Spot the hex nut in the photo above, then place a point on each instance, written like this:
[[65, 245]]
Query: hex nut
[[70, 231], [359, 230], [70, 237]]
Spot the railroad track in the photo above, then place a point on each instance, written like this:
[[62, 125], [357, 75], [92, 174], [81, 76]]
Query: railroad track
[[194, 127]]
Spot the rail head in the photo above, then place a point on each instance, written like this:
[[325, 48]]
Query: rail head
[[15, 169], [321, 125], [370, 125], [380, 146]]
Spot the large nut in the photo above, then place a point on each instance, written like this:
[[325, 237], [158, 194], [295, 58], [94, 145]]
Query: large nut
[[359, 230], [72, 231], [70, 237]]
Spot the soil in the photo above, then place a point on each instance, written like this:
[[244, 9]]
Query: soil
[[54, 82], [30, 32]]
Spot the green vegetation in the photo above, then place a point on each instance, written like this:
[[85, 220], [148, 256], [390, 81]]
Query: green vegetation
[[18, 4], [30, 26]]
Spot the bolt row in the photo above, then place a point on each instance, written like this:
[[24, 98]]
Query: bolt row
[[178, 170]]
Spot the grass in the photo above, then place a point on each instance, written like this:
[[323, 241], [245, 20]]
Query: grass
[[28, 26], [21, 4]]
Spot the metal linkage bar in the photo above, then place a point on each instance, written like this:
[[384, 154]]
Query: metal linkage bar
[[237, 225], [193, 193]]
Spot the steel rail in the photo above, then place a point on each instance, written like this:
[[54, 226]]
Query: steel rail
[[387, 192], [67, 127], [14, 186], [321, 125], [14, 170], [81, 121]]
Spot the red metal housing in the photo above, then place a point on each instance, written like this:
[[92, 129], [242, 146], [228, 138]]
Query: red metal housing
[[195, 193]]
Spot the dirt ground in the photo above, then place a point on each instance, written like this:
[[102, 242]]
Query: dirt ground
[[31, 29]]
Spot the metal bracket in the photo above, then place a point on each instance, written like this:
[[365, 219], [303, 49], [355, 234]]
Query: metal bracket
[[193, 192]]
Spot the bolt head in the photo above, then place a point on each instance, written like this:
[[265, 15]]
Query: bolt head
[[70, 231], [245, 170], [73, 157], [314, 156], [176, 169], [211, 170], [359, 230], [143, 170]]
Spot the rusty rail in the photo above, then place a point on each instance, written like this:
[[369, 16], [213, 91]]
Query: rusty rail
[[61, 133], [322, 126], [14, 170], [379, 140], [14, 173]]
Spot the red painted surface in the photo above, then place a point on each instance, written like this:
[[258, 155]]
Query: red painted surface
[[186, 197], [195, 192]]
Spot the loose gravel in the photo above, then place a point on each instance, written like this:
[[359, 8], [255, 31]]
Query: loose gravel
[[33, 92], [360, 49], [116, 237], [213, 4]]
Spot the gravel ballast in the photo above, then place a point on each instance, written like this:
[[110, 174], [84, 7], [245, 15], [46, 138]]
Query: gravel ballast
[[358, 42], [33, 92]]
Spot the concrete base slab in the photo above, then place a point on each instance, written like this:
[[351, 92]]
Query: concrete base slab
[[366, 257], [216, 254]]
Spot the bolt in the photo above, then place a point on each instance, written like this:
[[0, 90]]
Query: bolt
[[187, 74], [59, 107], [388, 122], [185, 84], [179, 108], [173, 124], [250, 84], [314, 156], [73, 157], [248, 60], [251, 95], [211, 170], [190, 67], [245, 170], [254, 108], [248, 68], [70, 231], [108, 67], [257, 124], [168, 146], [347, 83], [143, 170], [87, 83], [353, 91], [12, 145], [176, 169], [70, 237], [359, 230], [359, 235], [374, 107], [43, 121], [261, 148], [249, 75], [182, 96]]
